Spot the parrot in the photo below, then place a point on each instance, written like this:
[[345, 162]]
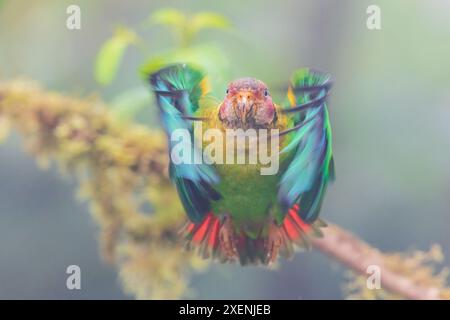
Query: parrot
[[236, 214]]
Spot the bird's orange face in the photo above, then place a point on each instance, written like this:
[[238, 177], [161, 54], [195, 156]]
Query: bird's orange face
[[247, 104]]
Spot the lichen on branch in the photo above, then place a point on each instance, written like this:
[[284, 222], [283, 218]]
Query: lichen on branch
[[410, 275], [122, 171]]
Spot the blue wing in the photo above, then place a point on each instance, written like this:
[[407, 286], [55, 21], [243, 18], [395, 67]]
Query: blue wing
[[306, 177], [178, 89]]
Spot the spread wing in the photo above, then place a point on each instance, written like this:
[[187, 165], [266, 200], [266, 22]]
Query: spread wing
[[306, 177], [178, 89]]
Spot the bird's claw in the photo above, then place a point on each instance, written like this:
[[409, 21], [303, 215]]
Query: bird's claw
[[227, 239], [273, 243]]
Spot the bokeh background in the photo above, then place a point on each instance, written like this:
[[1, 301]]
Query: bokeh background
[[390, 113]]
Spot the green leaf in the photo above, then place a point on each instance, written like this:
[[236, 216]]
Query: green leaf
[[128, 104], [168, 17], [111, 54], [184, 27], [209, 20]]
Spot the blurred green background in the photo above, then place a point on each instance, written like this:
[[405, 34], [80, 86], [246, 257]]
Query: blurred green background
[[390, 113]]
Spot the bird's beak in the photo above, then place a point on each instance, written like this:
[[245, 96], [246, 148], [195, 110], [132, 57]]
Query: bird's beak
[[245, 102]]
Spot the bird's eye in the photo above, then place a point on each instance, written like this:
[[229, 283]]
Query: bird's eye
[[227, 91], [266, 93]]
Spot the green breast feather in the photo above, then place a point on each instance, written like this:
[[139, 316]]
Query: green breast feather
[[249, 197]]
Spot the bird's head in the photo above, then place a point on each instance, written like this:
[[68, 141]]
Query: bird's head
[[247, 104]]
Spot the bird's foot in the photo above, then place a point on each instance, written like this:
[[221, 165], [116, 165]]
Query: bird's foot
[[227, 238], [273, 242]]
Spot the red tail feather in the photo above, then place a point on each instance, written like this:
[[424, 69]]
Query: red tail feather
[[205, 237]]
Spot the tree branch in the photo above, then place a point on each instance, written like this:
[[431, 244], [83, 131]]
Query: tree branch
[[125, 162], [357, 255]]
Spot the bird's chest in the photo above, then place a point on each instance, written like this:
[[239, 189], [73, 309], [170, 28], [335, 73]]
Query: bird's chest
[[249, 174], [247, 196]]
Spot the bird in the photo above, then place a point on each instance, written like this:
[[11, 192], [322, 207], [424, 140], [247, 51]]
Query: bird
[[235, 213]]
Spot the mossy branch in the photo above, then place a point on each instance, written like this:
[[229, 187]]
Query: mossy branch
[[403, 275], [122, 170]]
